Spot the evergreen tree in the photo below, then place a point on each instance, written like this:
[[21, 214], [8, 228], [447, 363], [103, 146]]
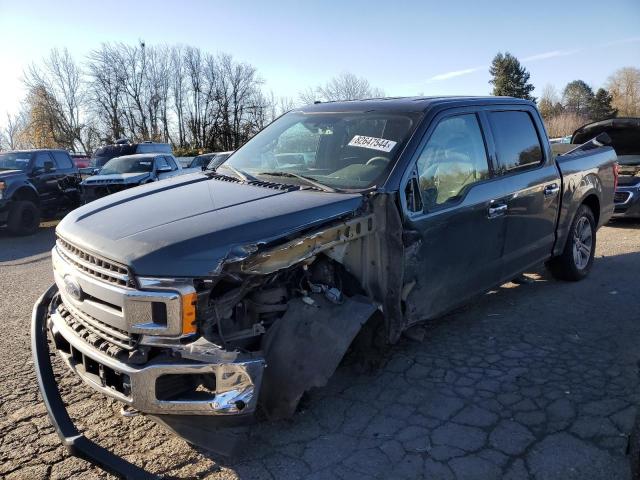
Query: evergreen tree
[[601, 106], [577, 98], [510, 78]]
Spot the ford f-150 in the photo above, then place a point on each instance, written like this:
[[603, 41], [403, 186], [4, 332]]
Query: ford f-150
[[251, 282]]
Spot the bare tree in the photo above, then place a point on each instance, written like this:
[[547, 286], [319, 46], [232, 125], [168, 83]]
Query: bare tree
[[549, 102], [345, 86], [624, 86], [60, 91], [106, 90], [12, 136]]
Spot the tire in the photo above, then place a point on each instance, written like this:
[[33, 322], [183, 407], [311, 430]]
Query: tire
[[24, 218], [576, 260]]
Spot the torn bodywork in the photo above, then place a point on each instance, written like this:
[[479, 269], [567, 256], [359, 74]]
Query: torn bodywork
[[273, 322]]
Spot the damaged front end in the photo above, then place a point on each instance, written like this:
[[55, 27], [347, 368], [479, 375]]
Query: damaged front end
[[203, 355]]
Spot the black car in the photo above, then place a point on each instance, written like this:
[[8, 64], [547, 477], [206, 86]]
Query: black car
[[35, 184], [625, 139], [103, 154]]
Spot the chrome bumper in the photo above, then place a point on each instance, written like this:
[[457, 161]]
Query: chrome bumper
[[237, 383]]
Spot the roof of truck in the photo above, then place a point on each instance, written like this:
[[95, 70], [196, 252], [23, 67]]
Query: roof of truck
[[408, 104]]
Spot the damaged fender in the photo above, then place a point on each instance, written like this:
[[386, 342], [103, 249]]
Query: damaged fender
[[304, 347]]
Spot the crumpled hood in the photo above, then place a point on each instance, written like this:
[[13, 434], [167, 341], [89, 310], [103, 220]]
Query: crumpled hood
[[116, 178], [188, 225]]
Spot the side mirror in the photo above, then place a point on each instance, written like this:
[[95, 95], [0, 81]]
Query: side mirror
[[164, 169], [48, 166], [204, 166], [95, 171]]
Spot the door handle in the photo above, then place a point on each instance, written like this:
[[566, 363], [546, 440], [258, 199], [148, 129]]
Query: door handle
[[551, 190], [497, 210]]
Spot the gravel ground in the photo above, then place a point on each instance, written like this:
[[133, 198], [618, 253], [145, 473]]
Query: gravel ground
[[530, 381]]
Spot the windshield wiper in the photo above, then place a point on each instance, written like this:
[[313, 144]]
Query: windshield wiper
[[244, 176], [304, 178]]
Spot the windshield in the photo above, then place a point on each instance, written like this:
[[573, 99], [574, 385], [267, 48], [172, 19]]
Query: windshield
[[342, 150], [14, 161], [127, 165]]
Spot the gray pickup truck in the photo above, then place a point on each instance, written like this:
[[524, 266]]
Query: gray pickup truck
[[338, 220]]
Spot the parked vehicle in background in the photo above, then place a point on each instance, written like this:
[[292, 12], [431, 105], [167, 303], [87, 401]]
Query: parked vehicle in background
[[123, 147], [625, 140], [80, 160], [129, 171], [337, 217], [35, 184], [209, 161]]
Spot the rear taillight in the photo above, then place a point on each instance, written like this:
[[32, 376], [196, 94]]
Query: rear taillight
[[616, 173]]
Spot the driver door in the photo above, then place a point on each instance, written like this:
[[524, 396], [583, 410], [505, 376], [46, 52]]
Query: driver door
[[45, 181], [455, 237]]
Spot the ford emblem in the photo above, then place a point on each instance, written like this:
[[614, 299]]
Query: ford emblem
[[72, 287]]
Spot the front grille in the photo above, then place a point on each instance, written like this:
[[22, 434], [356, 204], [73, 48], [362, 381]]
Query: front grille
[[108, 339], [621, 197], [92, 265]]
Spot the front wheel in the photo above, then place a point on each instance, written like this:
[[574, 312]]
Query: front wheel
[[24, 218], [576, 260]]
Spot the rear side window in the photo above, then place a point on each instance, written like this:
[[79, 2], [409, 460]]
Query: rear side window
[[62, 160], [517, 142]]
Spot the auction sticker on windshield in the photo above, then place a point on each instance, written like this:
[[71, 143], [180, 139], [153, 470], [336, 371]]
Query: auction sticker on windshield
[[373, 143]]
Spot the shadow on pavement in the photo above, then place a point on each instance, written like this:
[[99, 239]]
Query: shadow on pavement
[[18, 248], [626, 223]]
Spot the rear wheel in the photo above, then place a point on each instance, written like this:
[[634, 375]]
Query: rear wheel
[[577, 257], [24, 218]]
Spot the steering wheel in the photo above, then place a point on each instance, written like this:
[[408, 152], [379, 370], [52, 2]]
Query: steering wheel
[[382, 161]]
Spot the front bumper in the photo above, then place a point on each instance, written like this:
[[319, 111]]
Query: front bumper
[[77, 444], [89, 192], [627, 203], [233, 402]]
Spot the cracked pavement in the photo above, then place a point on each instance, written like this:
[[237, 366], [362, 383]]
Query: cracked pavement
[[538, 380]]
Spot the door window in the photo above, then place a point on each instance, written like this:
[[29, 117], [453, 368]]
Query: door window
[[453, 159], [172, 163], [41, 158], [517, 143], [63, 160], [161, 162]]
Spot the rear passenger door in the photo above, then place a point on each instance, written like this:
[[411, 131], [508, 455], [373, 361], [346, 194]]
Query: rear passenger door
[[532, 183], [453, 236]]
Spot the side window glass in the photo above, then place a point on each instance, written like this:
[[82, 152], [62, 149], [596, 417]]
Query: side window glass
[[41, 158], [172, 163], [453, 158], [161, 162], [517, 143], [62, 160]]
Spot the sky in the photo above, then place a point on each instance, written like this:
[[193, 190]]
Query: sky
[[425, 47]]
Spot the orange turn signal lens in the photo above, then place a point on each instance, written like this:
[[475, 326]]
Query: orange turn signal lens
[[189, 313]]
